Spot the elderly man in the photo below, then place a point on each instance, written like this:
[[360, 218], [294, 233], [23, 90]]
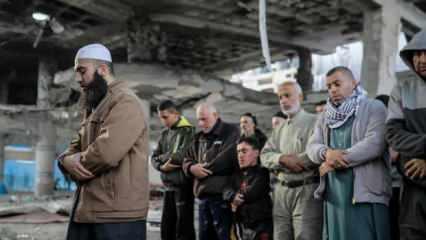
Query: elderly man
[[108, 159], [406, 134], [349, 144], [248, 127], [211, 160], [297, 215], [177, 220], [248, 194]]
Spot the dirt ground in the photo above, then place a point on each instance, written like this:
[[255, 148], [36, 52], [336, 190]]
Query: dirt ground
[[55, 229], [51, 231]]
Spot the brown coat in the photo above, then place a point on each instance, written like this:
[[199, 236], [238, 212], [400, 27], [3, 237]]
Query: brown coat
[[113, 142]]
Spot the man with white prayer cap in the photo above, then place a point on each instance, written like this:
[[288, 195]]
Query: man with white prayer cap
[[108, 158]]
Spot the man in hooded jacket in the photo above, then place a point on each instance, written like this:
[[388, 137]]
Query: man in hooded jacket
[[406, 134], [177, 220]]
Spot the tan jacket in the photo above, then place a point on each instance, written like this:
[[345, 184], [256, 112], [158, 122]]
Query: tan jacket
[[113, 142]]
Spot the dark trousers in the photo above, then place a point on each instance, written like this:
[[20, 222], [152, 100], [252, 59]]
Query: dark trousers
[[394, 213], [412, 218], [177, 221], [107, 231], [215, 219]]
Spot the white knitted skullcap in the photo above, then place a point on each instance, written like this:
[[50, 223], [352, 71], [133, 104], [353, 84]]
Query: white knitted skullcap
[[94, 51]]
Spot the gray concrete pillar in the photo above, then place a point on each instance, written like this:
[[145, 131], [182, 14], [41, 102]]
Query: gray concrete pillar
[[147, 113], [304, 73], [146, 109], [2, 145], [3, 92], [380, 39], [45, 153]]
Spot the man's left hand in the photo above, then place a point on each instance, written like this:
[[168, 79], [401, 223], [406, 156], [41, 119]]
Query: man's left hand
[[73, 165], [415, 168], [335, 158]]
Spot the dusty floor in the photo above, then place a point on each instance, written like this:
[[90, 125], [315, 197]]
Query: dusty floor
[[51, 231], [55, 230]]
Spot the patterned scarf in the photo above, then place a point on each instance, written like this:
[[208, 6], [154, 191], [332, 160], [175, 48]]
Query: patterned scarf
[[336, 116]]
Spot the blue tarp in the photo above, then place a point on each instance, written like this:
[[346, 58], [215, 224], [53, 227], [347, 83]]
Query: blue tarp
[[20, 176]]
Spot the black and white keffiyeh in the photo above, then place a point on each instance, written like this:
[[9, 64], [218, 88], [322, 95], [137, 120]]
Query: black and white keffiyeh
[[336, 116]]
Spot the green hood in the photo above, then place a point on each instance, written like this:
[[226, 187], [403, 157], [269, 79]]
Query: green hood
[[183, 122]]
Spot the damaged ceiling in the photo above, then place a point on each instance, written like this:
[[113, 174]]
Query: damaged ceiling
[[177, 46], [196, 34]]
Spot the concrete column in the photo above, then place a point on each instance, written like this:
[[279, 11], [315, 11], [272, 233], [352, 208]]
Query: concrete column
[[304, 73], [46, 145], [3, 189], [45, 155], [380, 39], [147, 113], [3, 92], [146, 109], [2, 145]]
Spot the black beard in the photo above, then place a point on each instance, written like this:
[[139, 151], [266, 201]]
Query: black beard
[[95, 92]]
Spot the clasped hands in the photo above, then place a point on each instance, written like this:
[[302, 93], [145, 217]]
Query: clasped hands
[[292, 163], [334, 159]]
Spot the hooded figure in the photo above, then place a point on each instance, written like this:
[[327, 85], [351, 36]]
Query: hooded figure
[[406, 134]]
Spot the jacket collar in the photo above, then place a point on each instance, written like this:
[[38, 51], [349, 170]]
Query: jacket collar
[[296, 118], [113, 88], [217, 128], [215, 131], [182, 122]]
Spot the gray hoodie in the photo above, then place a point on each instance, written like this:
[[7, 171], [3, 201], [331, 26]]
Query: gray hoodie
[[406, 123]]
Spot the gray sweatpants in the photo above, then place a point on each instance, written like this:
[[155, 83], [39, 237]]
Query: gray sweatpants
[[297, 215]]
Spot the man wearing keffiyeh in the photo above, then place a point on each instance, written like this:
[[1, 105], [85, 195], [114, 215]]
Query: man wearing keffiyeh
[[348, 142]]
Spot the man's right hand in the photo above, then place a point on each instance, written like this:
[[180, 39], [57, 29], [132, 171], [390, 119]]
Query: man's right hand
[[168, 166], [74, 167], [292, 162], [237, 201], [199, 171]]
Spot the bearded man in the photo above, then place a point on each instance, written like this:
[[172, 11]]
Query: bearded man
[[348, 142], [297, 215], [108, 159]]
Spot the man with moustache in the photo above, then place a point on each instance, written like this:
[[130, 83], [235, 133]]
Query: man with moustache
[[297, 215], [108, 159], [406, 134], [211, 160], [248, 128], [348, 142]]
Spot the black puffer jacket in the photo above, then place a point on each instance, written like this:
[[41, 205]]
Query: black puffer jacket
[[253, 183], [218, 149], [173, 144]]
